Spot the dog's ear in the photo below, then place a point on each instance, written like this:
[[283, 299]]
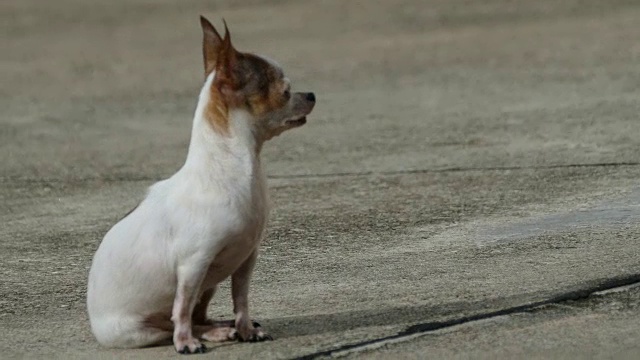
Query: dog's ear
[[227, 64], [211, 45]]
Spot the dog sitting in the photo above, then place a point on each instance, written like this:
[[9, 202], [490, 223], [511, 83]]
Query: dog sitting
[[156, 270]]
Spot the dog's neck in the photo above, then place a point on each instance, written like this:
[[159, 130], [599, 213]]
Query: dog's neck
[[235, 152]]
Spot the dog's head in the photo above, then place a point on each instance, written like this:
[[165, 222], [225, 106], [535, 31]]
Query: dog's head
[[250, 83]]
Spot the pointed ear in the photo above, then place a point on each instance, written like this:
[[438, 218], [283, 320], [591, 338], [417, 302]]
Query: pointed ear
[[227, 63], [211, 45]]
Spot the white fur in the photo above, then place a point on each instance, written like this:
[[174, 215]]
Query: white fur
[[217, 201]]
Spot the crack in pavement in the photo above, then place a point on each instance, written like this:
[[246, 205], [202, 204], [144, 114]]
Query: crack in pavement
[[133, 178], [600, 287]]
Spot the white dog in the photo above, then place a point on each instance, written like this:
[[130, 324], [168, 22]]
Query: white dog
[[156, 270]]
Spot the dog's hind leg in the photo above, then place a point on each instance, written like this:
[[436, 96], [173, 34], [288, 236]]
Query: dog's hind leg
[[218, 332], [214, 331], [131, 332]]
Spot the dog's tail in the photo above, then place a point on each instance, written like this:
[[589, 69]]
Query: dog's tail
[[129, 332]]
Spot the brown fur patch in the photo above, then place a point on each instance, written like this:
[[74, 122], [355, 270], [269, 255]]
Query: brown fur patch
[[211, 43], [264, 86], [251, 83], [242, 81], [217, 112]]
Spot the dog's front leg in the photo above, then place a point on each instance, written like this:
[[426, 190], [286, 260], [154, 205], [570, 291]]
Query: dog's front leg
[[245, 329], [199, 316], [190, 277]]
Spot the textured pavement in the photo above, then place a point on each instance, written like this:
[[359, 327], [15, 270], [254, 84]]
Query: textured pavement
[[466, 163]]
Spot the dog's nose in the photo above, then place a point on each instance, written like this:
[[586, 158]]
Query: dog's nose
[[311, 97]]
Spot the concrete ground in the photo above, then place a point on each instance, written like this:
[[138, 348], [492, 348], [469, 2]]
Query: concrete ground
[[467, 181]]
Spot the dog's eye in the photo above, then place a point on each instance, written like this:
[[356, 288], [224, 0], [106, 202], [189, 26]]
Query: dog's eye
[[287, 93]]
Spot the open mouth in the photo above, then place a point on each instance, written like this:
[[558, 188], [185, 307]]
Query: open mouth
[[297, 122]]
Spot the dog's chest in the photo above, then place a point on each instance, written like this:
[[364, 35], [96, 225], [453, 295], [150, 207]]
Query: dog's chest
[[248, 213]]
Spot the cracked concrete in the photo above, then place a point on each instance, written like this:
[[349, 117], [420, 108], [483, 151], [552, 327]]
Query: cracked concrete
[[436, 179], [597, 327]]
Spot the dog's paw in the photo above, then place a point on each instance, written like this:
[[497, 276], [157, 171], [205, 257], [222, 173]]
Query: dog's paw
[[250, 334], [191, 346]]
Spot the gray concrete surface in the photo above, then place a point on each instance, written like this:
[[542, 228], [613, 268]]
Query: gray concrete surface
[[599, 327], [464, 157]]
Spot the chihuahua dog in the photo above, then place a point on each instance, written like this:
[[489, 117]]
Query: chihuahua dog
[[156, 270]]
